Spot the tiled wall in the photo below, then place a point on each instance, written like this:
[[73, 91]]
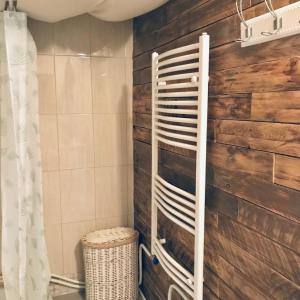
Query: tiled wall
[[85, 82]]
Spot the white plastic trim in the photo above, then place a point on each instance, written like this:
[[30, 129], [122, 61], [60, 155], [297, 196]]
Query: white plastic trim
[[59, 277], [154, 167], [178, 76], [173, 219], [178, 68], [172, 86], [177, 111], [176, 119], [173, 273], [174, 287], [177, 94], [178, 59], [142, 248], [176, 127], [174, 196], [178, 103], [67, 284], [178, 50], [175, 189], [176, 135], [201, 166], [189, 278], [177, 144], [171, 202], [173, 211]]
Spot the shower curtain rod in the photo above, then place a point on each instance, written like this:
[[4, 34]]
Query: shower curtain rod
[[11, 5]]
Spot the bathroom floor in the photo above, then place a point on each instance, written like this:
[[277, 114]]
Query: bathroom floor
[[76, 296]]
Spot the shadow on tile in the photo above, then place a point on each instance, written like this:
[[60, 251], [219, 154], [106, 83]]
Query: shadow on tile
[[76, 296]]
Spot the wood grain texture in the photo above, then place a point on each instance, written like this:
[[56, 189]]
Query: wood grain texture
[[230, 107], [276, 198], [276, 107], [283, 231], [266, 279], [279, 258], [287, 171], [241, 160], [279, 75], [270, 137], [252, 217], [243, 289]]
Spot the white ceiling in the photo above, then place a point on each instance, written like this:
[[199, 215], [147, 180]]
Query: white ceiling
[[107, 10]]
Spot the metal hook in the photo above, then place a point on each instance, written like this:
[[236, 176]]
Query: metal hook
[[11, 5], [277, 23], [248, 29]]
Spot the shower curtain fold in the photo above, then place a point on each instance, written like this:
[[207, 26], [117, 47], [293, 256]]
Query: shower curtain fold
[[24, 256]]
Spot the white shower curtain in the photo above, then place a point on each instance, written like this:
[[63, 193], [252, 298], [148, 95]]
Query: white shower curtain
[[24, 256]]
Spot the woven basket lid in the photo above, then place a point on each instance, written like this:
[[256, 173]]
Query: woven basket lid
[[109, 238]]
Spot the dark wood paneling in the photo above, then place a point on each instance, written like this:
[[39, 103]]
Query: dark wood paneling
[[287, 171], [271, 283], [241, 160], [252, 218], [222, 202], [279, 75], [281, 259], [271, 225], [271, 137], [230, 107], [232, 55], [243, 289], [276, 107], [198, 17], [276, 198]]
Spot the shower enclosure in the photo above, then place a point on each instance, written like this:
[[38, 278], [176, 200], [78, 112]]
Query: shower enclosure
[[25, 266], [77, 110]]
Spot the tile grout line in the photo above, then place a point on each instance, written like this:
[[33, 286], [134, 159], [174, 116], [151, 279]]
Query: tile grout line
[[59, 162]]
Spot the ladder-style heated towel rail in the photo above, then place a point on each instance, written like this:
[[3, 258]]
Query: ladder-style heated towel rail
[[179, 119]]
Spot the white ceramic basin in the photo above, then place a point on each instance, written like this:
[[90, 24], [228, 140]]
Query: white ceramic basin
[[120, 10], [108, 10]]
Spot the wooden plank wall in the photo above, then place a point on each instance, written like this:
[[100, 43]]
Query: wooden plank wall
[[252, 247]]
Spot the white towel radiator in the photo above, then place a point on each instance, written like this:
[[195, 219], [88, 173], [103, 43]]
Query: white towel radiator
[[179, 119]]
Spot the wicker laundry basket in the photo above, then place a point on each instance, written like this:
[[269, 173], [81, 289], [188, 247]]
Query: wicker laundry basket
[[110, 260]]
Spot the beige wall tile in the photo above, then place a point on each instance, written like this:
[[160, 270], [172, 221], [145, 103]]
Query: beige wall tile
[[72, 88], [77, 195], [73, 84], [110, 136], [43, 35], [129, 139], [128, 32], [106, 223], [72, 36], [130, 186], [129, 84], [110, 39], [75, 141], [72, 250], [46, 80], [49, 143], [1, 251], [130, 220], [54, 246], [111, 192], [0, 225], [110, 91], [51, 196]]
